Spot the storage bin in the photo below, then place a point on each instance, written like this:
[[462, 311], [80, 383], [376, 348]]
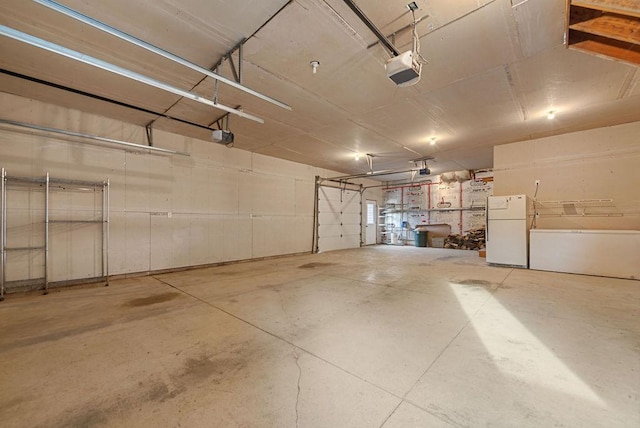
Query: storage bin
[[420, 237]]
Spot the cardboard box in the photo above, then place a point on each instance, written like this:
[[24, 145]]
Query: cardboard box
[[437, 242]]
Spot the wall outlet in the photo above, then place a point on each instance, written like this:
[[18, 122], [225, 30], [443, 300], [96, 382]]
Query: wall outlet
[[537, 182]]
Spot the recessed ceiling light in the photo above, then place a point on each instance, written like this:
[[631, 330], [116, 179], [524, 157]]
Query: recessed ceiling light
[[551, 115]]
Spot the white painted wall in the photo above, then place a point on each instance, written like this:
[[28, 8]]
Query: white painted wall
[[225, 204], [601, 163]]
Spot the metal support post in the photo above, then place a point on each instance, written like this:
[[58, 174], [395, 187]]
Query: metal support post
[[105, 209], [362, 238], [46, 236], [240, 61], [316, 205], [149, 132], [3, 241]]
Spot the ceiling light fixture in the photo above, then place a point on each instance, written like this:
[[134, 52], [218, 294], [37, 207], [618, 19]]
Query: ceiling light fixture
[[551, 115], [314, 66], [357, 156], [433, 141]]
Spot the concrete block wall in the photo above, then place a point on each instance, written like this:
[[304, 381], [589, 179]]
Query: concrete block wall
[[600, 163], [217, 205]]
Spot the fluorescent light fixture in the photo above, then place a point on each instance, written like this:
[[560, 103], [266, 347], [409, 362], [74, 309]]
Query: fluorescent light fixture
[[148, 46], [125, 144], [112, 68]]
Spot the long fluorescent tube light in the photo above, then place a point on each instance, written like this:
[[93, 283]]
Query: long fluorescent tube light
[[91, 137], [95, 62], [148, 46]]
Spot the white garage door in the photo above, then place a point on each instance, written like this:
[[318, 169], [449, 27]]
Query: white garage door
[[339, 218]]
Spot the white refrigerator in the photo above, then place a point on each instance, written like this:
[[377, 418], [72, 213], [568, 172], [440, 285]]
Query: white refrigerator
[[507, 233]]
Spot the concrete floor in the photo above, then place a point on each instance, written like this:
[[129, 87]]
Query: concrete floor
[[376, 337]]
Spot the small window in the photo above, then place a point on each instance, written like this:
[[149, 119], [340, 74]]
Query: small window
[[371, 214]]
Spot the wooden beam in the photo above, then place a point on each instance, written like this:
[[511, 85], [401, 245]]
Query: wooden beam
[[602, 46], [618, 27], [580, 14], [567, 14], [623, 7]]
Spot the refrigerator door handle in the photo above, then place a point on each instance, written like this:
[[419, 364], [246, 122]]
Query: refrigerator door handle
[[486, 219]]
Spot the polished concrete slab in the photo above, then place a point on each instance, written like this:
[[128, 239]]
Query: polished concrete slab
[[374, 337]]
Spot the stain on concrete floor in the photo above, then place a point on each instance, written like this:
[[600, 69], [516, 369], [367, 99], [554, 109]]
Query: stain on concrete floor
[[199, 369], [315, 265], [159, 392], [54, 336], [215, 370], [445, 258], [151, 300]]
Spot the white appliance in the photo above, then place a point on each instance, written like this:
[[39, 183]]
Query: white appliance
[[507, 233], [614, 253]]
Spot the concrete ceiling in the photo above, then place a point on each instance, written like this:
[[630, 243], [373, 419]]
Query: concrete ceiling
[[495, 68]]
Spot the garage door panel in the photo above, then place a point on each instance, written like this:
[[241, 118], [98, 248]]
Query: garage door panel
[[351, 204], [330, 230], [328, 217], [329, 206], [339, 219], [330, 194], [330, 244], [351, 241], [351, 219]]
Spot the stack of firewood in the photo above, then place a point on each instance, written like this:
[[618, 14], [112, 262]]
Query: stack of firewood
[[473, 240]]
